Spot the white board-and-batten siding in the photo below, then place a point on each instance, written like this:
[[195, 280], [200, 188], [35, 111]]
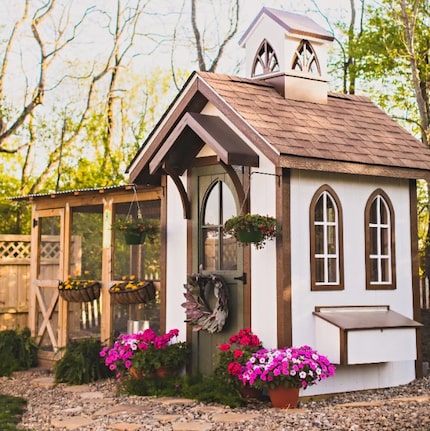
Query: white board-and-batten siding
[[353, 193]]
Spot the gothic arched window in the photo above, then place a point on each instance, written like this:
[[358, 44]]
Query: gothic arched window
[[326, 240], [380, 245], [305, 59], [265, 61]]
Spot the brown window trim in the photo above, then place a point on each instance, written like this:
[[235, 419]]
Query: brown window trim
[[385, 286], [316, 196]]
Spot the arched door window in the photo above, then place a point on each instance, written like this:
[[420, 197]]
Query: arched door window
[[380, 256], [326, 241], [218, 252]]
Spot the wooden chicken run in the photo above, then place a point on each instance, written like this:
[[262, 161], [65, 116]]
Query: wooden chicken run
[[80, 254]]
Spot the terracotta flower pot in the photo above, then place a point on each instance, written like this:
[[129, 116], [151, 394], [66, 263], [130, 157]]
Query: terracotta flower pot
[[249, 393], [283, 397], [164, 371]]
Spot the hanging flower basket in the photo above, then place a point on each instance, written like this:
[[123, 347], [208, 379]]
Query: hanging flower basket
[[249, 236], [79, 290], [134, 237], [137, 231], [132, 292], [252, 229]]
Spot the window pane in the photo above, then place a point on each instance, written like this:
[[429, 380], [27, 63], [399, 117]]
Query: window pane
[[229, 255], [211, 215], [385, 270], [319, 210], [210, 249], [319, 270], [373, 238], [373, 270], [332, 270], [331, 240], [373, 215], [383, 212], [228, 204], [384, 241], [319, 239], [331, 212]]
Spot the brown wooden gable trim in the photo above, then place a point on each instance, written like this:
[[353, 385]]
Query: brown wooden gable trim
[[212, 131], [321, 165], [238, 121]]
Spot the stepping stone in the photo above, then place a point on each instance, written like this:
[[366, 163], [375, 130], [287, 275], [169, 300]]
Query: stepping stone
[[76, 388], [124, 426], [375, 403], [120, 409], [91, 395], [74, 423], [169, 401], [191, 426], [47, 382], [211, 409], [418, 399]]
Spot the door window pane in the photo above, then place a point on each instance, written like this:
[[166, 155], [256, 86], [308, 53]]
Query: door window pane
[[218, 250]]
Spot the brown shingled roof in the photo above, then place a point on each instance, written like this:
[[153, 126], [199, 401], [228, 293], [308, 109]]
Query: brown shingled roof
[[348, 128], [349, 134]]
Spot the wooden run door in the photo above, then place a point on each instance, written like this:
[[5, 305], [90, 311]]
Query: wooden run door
[[47, 269]]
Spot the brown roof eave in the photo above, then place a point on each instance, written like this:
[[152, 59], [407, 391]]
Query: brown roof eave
[[313, 164], [239, 122]]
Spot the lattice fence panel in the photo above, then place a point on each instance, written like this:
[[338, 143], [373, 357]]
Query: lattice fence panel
[[15, 247]]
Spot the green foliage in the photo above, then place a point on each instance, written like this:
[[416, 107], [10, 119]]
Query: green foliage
[[205, 389], [18, 351], [81, 363], [11, 411], [173, 355]]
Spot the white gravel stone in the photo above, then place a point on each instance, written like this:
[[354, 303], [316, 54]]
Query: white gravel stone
[[59, 407]]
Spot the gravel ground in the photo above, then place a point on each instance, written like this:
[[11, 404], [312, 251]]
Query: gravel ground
[[391, 409]]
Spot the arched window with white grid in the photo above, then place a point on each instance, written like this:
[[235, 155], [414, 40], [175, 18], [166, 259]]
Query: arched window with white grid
[[326, 240]]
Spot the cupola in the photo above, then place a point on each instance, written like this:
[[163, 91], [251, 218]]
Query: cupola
[[289, 51]]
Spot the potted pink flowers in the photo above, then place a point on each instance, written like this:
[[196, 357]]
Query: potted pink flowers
[[233, 357], [284, 371], [145, 352]]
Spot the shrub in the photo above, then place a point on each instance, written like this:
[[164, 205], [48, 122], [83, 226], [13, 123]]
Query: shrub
[[81, 363], [18, 351]]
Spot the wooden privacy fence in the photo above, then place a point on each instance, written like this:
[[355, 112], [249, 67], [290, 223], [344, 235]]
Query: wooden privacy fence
[[14, 281]]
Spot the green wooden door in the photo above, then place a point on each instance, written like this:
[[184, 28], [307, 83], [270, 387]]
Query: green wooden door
[[217, 254]]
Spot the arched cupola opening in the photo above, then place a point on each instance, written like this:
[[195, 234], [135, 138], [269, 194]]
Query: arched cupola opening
[[305, 59], [266, 60]]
